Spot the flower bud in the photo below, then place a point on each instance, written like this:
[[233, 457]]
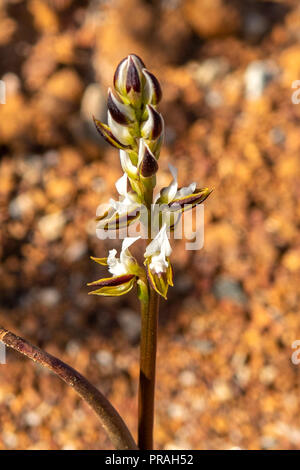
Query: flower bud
[[148, 166], [120, 76], [153, 126], [107, 135], [121, 113], [129, 79], [152, 90], [120, 132]]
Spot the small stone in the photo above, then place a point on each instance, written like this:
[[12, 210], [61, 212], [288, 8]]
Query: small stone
[[12, 83], [206, 72], [32, 419], [72, 348], [49, 296], [176, 411], [51, 158], [51, 226], [10, 439], [227, 288], [20, 206], [105, 359], [130, 324], [277, 135], [183, 283], [205, 346], [257, 76], [267, 442], [222, 390], [98, 184], [268, 374], [76, 251], [93, 103], [255, 25], [187, 378]]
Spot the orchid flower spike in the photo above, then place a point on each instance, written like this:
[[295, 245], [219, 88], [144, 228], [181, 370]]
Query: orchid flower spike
[[125, 271], [136, 128]]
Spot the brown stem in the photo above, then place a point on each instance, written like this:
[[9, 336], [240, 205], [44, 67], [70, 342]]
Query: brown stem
[[147, 371], [110, 419]]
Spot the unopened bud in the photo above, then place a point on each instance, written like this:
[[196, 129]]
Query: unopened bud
[[152, 90], [108, 135], [120, 132], [129, 79], [148, 163], [121, 113], [153, 126]]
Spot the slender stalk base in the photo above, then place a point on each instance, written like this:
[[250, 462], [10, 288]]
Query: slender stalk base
[[111, 421], [147, 371]]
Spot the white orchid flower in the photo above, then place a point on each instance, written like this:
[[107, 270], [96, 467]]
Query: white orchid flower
[[122, 265], [123, 212], [171, 192], [173, 201], [159, 249], [157, 262], [125, 270]]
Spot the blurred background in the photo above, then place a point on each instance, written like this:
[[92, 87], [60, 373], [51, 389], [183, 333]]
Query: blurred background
[[225, 377]]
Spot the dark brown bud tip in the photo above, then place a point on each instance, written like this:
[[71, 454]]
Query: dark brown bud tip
[[157, 122], [149, 164], [132, 79], [138, 59], [154, 87], [114, 110]]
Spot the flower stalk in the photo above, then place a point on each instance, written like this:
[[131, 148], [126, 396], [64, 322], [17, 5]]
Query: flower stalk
[[136, 128], [111, 421]]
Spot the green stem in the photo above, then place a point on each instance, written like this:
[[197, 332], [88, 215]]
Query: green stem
[[147, 371]]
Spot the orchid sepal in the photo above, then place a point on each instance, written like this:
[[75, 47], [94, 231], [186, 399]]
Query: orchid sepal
[[107, 135], [190, 200], [114, 286], [101, 261], [112, 220], [160, 282]]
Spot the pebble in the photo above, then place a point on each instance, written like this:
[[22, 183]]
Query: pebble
[[49, 296], [130, 323], [227, 288], [206, 72], [51, 226], [72, 348], [176, 411], [76, 251], [32, 419], [257, 76], [255, 25], [222, 390], [205, 346], [105, 359], [20, 206], [187, 378]]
